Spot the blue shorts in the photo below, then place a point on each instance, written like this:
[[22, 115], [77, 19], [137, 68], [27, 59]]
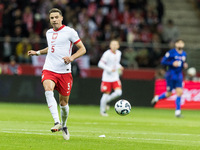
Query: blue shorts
[[172, 84]]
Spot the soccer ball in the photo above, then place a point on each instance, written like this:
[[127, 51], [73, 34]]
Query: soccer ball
[[122, 107], [192, 71]]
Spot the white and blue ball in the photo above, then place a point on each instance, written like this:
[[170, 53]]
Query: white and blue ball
[[122, 107]]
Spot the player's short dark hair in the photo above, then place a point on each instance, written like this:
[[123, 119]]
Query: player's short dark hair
[[55, 10]]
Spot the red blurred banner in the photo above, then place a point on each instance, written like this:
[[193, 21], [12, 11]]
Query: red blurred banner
[[189, 100], [92, 72]]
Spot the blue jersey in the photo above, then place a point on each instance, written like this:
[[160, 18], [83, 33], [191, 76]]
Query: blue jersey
[[174, 73]]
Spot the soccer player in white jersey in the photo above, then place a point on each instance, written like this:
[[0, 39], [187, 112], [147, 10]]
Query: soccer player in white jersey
[[56, 72], [110, 63]]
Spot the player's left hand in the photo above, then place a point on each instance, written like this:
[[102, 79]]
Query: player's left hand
[[185, 65], [67, 60], [121, 68]]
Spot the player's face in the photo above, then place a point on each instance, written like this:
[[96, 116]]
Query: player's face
[[179, 45], [56, 20], [114, 45]]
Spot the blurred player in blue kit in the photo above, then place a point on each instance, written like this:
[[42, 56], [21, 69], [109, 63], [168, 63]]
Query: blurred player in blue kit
[[175, 60]]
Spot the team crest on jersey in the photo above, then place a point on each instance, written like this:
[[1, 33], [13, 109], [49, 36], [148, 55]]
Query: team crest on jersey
[[54, 36], [167, 54]]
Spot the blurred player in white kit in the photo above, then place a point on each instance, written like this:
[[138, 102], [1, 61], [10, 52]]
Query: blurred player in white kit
[[56, 72], [110, 63]]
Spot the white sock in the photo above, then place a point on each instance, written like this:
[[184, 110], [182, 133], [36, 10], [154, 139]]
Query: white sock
[[52, 104], [64, 111], [115, 94], [177, 112], [103, 102]]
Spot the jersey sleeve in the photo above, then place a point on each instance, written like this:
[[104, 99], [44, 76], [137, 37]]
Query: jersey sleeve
[[166, 60], [119, 65], [103, 61], [74, 36], [104, 57]]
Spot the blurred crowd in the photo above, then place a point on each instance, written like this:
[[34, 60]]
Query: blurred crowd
[[23, 25]]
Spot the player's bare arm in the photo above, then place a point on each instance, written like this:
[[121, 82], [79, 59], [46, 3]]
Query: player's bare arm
[[81, 51], [40, 52]]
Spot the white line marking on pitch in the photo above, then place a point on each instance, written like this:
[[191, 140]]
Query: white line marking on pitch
[[144, 133], [110, 137]]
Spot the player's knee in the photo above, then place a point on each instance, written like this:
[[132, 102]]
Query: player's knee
[[63, 103], [168, 94], [179, 93], [63, 100], [48, 85], [48, 88]]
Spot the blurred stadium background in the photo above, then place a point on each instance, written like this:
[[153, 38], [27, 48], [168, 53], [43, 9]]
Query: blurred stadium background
[[146, 29]]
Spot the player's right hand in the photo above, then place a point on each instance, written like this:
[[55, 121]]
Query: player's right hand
[[68, 60], [32, 53], [177, 63]]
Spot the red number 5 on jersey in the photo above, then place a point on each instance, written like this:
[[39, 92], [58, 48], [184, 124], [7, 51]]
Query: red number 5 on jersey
[[52, 48]]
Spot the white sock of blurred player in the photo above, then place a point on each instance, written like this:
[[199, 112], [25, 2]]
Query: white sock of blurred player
[[103, 103], [113, 95], [64, 111], [52, 104], [177, 113]]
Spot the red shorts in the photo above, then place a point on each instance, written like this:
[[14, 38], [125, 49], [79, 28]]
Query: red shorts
[[108, 86], [63, 81]]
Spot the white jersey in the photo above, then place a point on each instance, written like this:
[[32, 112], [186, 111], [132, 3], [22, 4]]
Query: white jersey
[[60, 43], [108, 62]]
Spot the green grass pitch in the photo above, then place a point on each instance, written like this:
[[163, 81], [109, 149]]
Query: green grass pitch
[[27, 127]]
